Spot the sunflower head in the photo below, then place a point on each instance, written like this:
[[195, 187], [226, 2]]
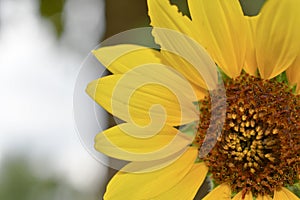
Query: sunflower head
[[258, 146], [236, 77]]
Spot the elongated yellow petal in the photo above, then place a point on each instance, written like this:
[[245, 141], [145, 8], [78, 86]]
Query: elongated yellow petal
[[277, 39], [164, 15], [185, 68], [284, 194], [120, 59], [178, 35], [143, 100], [199, 91], [149, 185], [201, 64], [293, 74], [223, 31], [134, 143], [250, 62], [247, 196], [222, 192], [264, 197], [139, 167], [187, 188]]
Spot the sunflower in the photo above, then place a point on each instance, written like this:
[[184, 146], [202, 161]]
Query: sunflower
[[238, 92]]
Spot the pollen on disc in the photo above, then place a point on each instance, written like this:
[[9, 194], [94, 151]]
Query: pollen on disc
[[258, 147]]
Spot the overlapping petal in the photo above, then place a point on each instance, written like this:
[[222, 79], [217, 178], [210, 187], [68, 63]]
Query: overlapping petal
[[187, 188], [177, 34], [223, 31], [185, 68], [277, 37], [163, 15], [151, 184], [192, 52], [293, 74], [222, 192], [143, 100], [241, 196], [284, 194], [135, 143], [250, 65], [121, 59], [139, 167], [263, 197]]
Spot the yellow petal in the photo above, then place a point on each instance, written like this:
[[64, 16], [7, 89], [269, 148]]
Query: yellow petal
[[152, 165], [239, 196], [148, 185], [277, 37], [176, 34], [223, 31], [183, 67], [293, 74], [188, 187], [164, 15], [284, 194], [222, 192], [250, 62], [188, 71], [134, 143], [120, 59], [199, 91], [264, 197], [201, 64], [143, 100]]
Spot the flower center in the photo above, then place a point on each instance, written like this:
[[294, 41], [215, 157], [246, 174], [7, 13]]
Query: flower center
[[258, 149]]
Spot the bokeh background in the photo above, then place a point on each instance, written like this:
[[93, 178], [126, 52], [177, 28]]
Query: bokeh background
[[42, 46]]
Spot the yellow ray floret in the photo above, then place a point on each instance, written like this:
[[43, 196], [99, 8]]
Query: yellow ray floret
[[149, 185], [277, 37], [135, 143], [223, 31], [187, 188], [284, 194], [222, 192]]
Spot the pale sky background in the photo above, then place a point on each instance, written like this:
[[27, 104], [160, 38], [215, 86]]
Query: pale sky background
[[37, 77]]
